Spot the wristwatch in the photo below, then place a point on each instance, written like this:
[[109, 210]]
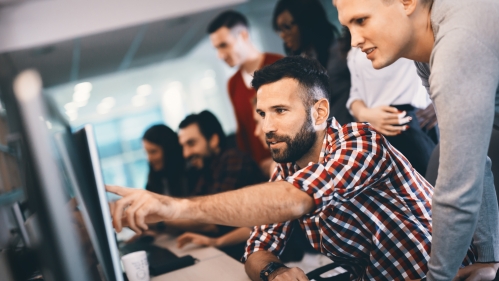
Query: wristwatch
[[268, 269]]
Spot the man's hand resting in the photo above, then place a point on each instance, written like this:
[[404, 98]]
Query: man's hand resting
[[197, 239], [477, 272], [285, 274], [139, 207]]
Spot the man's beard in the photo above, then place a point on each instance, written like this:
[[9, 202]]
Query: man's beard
[[297, 147], [206, 159]]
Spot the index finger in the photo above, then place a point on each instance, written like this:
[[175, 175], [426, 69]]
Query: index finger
[[390, 109], [119, 190]]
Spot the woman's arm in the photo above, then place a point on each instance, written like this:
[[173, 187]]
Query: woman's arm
[[234, 237]]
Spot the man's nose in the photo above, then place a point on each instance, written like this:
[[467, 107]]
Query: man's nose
[[221, 55], [258, 128], [268, 125], [357, 39], [186, 153]]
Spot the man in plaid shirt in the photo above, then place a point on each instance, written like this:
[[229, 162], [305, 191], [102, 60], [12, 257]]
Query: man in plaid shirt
[[372, 209], [357, 198], [213, 166]]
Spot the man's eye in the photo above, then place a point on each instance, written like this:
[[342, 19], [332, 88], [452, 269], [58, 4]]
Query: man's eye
[[262, 114], [280, 110], [360, 21]]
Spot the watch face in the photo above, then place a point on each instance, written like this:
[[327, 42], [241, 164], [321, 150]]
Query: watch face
[[267, 270]]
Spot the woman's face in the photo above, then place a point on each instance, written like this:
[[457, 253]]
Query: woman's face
[[154, 155], [289, 31]]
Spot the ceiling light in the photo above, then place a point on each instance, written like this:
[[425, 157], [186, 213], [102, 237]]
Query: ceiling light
[[208, 83], [81, 103], [177, 85], [144, 90], [210, 73], [108, 102], [72, 115], [171, 92], [85, 87], [138, 101], [102, 109], [81, 96], [71, 106]]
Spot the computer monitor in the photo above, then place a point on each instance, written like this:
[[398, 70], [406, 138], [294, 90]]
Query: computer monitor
[[66, 192], [80, 168], [94, 196], [63, 248]]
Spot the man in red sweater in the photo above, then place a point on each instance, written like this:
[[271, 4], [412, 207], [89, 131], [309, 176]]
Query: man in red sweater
[[229, 35]]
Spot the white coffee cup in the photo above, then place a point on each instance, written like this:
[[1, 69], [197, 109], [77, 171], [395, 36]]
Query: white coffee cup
[[136, 266]]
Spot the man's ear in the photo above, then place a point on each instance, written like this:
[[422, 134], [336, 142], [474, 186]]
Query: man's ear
[[244, 34], [321, 113], [214, 142], [410, 6]]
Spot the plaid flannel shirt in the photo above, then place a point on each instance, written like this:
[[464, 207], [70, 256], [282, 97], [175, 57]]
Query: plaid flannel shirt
[[372, 209]]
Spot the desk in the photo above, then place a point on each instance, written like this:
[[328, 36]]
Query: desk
[[213, 264], [221, 268], [198, 252]]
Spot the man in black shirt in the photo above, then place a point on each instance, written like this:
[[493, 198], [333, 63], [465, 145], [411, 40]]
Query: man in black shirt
[[213, 168]]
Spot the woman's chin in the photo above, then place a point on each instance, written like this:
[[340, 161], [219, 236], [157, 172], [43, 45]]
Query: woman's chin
[[293, 48], [157, 168]]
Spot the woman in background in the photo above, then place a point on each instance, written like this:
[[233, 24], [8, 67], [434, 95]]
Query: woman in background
[[305, 29], [166, 163]]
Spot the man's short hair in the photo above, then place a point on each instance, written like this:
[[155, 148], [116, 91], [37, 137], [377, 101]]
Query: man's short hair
[[208, 125], [425, 2], [228, 19], [309, 73]]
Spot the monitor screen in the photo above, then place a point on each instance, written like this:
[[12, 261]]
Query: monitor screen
[[94, 197]]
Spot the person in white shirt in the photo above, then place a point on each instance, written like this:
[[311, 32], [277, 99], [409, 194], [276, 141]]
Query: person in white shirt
[[388, 99]]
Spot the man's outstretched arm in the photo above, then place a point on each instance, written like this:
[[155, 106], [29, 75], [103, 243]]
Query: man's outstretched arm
[[255, 205]]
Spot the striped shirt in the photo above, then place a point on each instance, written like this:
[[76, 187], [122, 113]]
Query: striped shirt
[[372, 209]]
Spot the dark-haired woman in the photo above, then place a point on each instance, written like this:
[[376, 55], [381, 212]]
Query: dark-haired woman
[[306, 31], [166, 163]]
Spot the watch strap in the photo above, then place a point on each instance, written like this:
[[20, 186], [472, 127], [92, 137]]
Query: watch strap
[[269, 269]]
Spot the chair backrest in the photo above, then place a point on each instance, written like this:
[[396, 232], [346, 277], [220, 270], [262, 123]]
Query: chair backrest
[[493, 153]]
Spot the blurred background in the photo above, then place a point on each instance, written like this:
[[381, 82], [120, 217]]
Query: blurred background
[[126, 65]]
